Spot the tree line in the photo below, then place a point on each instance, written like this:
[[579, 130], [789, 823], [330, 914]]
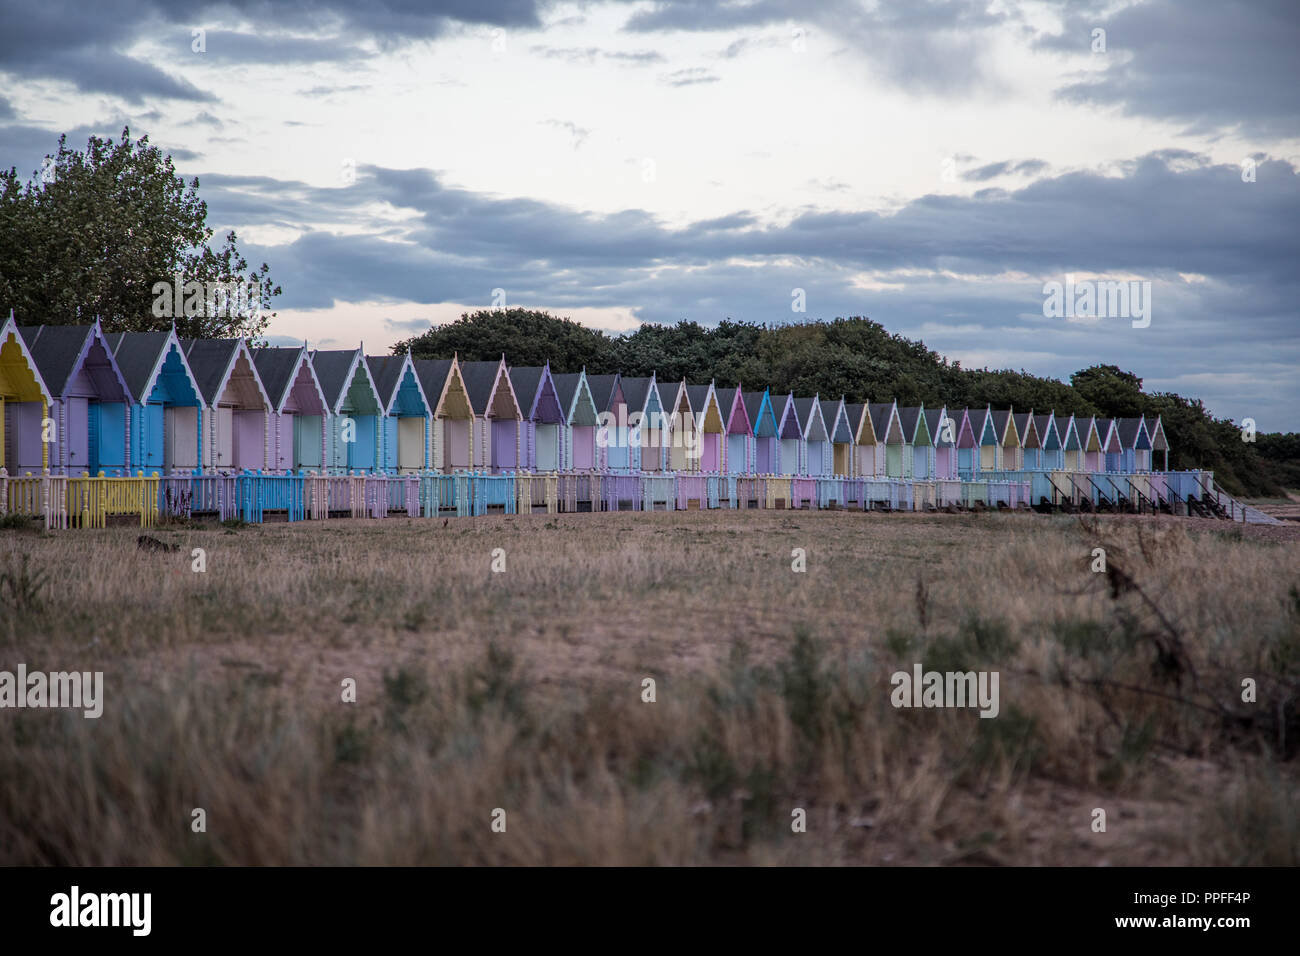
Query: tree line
[[861, 360]]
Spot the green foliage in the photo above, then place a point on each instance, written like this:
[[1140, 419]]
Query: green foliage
[[91, 233], [524, 336]]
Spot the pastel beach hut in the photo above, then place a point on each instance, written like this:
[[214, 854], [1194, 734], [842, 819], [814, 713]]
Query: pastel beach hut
[[1091, 441], [496, 414], [968, 443], [539, 443], [841, 434], [710, 429], [166, 410], [985, 428], [90, 398], [578, 449], [863, 460], [298, 408], [680, 433], [1051, 456], [1072, 455], [643, 409], [404, 424], [1008, 440], [943, 436], [24, 406], [235, 428], [352, 434], [451, 429], [816, 437], [1111, 446], [737, 450], [758, 408], [918, 445], [1135, 445], [789, 450], [1159, 443], [612, 440], [888, 429], [1031, 444]]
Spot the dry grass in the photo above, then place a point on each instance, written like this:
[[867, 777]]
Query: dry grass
[[522, 690]]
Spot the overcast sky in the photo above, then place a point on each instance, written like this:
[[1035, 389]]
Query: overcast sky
[[930, 165]]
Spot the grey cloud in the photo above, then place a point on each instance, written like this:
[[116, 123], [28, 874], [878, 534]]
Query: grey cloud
[[82, 43], [1206, 64], [592, 53], [691, 76], [1025, 167], [927, 46]]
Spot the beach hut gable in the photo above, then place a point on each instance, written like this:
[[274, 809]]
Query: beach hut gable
[[91, 407], [225, 365], [286, 374], [76, 360], [836, 413], [20, 379], [24, 405], [397, 386]]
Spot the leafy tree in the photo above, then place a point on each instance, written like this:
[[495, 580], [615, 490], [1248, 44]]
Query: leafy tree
[[525, 336], [93, 233], [1114, 392]]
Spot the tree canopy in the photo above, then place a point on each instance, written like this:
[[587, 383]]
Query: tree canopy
[[112, 232]]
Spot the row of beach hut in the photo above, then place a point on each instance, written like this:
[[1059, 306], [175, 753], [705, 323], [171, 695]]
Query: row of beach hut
[[76, 400]]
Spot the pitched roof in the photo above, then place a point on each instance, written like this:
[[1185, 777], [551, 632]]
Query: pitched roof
[[1022, 422], [479, 377], [1042, 423], [386, 373], [275, 368], [803, 408], [854, 411], [332, 369], [209, 359], [636, 391], [55, 350], [753, 402], [602, 390], [432, 374], [526, 380], [137, 355], [907, 419], [1000, 417], [668, 394], [697, 395], [880, 415], [1128, 430], [566, 386], [933, 420]]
